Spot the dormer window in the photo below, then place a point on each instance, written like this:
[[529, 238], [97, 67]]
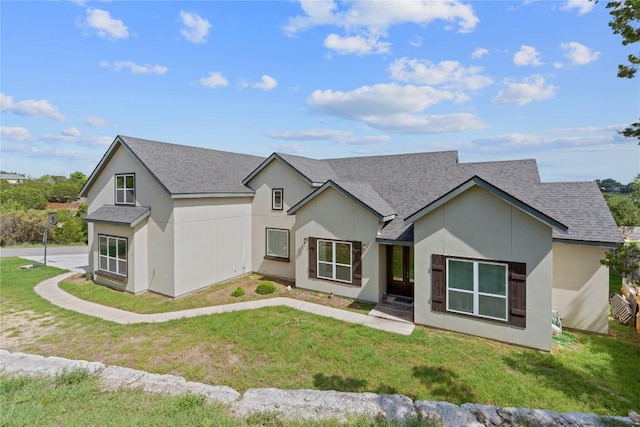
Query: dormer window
[[125, 189], [277, 194]]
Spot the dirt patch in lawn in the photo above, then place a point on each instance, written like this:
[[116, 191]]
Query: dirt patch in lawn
[[21, 328]]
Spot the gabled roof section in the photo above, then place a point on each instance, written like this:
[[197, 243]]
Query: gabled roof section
[[312, 171], [119, 215], [361, 193], [501, 194], [581, 206], [184, 171]]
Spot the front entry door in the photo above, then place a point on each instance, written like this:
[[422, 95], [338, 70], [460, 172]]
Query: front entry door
[[400, 270]]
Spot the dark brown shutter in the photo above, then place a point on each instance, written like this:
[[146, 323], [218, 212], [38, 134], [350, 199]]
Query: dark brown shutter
[[313, 258], [518, 294], [438, 283], [356, 254]]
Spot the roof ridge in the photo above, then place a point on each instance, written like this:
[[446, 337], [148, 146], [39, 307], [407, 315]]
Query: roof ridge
[[125, 137], [393, 155]]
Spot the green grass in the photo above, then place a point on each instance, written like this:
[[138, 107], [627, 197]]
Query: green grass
[[281, 347], [615, 281], [75, 399], [224, 293]]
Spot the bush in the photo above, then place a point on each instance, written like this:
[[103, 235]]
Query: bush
[[265, 288], [238, 292]]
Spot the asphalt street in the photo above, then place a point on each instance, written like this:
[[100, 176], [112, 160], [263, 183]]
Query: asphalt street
[[73, 258]]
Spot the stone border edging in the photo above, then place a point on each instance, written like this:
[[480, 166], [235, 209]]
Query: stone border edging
[[303, 404]]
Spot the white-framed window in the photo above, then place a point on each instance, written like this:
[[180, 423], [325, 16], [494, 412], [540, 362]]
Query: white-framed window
[[277, 197], [478, 288], [334, 260], [277, 244], [113, 255], [125, 189]]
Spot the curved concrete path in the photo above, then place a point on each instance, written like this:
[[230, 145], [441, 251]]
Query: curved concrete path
[[50, 291]]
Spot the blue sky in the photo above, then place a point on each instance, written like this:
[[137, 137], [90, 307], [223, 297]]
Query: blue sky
[[494, 80]]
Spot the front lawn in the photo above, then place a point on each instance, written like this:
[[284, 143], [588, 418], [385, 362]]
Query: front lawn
[[214, 295], [281, 347]]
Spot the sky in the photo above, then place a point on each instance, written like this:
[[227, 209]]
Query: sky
[[494, 80]]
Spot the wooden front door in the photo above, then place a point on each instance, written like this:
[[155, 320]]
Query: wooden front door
[[400, 270]]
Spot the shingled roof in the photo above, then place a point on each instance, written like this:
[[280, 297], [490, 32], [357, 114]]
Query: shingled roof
[[120, 215], [183, 170], [393, 186]]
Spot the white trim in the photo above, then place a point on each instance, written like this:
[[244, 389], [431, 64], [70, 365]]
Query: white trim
[[114, 257], [476, 292], [274, 206], [333, 263], [267, 242]]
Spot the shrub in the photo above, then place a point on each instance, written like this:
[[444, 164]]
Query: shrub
[[265, 288], [238, 292]]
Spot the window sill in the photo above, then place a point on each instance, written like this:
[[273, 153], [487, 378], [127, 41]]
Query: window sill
[[474, 317], [112, 276], [275, 258], [339, 282]]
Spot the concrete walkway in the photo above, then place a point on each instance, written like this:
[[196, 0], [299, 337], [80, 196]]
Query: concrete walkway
[[50, 291]]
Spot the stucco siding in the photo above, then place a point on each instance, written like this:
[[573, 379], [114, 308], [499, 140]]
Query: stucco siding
[[477, 224], [212, 241], [274, 175], [159, 275], [581, 287], [331, 215]]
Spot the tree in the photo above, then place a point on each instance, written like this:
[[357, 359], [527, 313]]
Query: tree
[[624, 211], [634, 190], [625, 260], [625, 19], [610, 186]]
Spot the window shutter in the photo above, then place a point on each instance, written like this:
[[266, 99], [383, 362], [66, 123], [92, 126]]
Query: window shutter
[[518, 294], [356, 253], [438, 283], [313, 258]]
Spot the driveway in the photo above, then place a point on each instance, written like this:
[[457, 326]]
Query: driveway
[[73, 258]]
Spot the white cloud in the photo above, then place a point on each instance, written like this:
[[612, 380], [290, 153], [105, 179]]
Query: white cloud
[[288, 148], [415, 41], [71, 131], [414, 123], [380, 99], [95, 122], [356, 45], [365, 22], [266, 83], [214, 80], [135, 68], [18, 134], [533, 88], [195, 27], [30, 107], [448, 73], [578, 53], [479, 52], [342, 137], [377, 16], [105, 25], [583, 6], [527, 55]]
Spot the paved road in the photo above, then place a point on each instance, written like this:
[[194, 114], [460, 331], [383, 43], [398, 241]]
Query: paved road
[[74, 258]]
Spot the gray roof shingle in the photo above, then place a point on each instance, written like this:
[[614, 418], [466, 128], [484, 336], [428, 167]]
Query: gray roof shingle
[[122, 215], [192, 170], [395, 184]]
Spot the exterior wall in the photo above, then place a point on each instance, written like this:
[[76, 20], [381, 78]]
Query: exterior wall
[[136, 271], [212, 241], [275, 175], [477, 224], [159, 276], [331, 215], [581, 287]]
